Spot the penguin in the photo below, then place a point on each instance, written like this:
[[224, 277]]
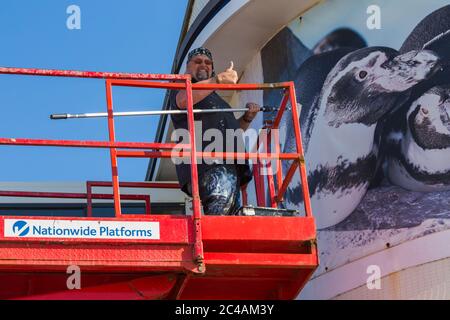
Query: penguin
[[289, 62], [419, 158], [340, 38], [309, 82], [339, 145], [313, 71], [432, 33], [308, 85]]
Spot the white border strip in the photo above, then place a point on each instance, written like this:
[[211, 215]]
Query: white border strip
[[415, 252]]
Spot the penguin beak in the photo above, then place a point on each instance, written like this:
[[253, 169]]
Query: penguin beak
[[406, 70]]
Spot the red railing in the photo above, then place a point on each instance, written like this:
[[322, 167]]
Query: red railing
[[71, 195], [166, 150], [143, 185]]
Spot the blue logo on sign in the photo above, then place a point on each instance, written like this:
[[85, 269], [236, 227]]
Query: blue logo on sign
[[21, 228]]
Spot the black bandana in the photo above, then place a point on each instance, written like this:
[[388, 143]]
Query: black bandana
[[201, 51]]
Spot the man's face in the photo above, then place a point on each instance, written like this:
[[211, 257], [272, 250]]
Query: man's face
[[200, 67]]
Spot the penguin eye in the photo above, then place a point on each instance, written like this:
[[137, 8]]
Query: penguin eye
[[362, 75], [423, 110]]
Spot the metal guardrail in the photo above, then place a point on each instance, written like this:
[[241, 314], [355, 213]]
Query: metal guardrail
[[276, 190]]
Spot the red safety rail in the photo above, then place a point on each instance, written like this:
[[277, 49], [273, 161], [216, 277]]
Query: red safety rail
[[141, 185], [88, 196], [198, 257]]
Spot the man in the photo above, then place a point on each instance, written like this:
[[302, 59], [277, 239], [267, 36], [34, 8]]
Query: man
[[219, 183]]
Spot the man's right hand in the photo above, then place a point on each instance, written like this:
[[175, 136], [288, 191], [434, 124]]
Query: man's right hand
[[229, 76]]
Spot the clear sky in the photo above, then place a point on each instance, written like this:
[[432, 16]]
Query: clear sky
[[115, 35]]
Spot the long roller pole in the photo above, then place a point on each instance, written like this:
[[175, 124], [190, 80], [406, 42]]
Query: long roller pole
[[149, 113]]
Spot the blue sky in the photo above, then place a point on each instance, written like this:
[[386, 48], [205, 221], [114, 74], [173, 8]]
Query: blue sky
[[119, 36]]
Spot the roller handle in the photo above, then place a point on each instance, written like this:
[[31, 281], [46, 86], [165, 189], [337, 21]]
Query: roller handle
[[60, 116]]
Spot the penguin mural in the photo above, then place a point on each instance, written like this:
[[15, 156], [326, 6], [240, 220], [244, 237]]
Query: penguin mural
[[311, 77], [312, 73], [415, 136], [281, 65], [420, 153], [362, 87]]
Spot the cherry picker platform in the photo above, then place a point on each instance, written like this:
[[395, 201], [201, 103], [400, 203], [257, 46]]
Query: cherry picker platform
[[162, 256]]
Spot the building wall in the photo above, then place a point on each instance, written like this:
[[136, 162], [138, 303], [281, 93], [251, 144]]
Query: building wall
[[430, 281]]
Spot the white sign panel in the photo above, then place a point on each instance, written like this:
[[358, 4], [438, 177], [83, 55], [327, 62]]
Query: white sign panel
[[79, 229]]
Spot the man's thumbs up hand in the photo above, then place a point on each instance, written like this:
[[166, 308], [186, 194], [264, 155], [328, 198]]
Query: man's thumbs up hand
[[229, 76], [231, 66]]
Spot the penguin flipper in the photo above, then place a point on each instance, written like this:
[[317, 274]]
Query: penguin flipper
[[431, 26], [440, 45]]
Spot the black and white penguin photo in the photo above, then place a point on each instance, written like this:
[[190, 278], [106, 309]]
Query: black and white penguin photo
[[416, 136], [419, 157], [311, 75], [351, 98], [290, 65]]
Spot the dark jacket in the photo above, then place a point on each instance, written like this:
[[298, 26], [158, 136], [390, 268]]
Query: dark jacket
[[220, 121]]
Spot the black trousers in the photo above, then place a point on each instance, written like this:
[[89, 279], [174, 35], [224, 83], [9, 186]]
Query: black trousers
[[219, 189]]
